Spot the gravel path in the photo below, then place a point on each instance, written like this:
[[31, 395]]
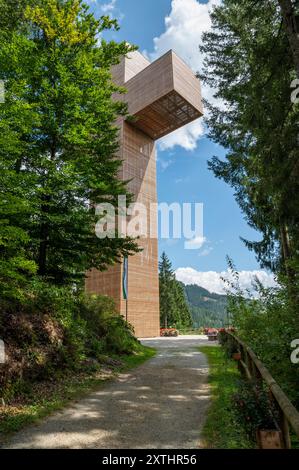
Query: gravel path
[[161, 404]]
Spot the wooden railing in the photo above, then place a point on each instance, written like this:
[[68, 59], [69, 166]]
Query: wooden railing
[[254, 369]]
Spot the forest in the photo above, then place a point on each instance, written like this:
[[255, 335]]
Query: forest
[[207, 309], [252, 60], [58, 146]]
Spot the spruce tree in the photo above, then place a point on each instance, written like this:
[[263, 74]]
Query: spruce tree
[[174, 309], [166, 278], [290, 11], [250, 65], [182, 306]]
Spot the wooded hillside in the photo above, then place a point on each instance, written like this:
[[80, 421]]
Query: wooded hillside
[[207, 309]]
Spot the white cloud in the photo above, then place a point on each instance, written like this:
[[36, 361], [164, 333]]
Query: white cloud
[[211, 280], [181, 180], [186, 137], [165, 163], [206, 251], [196, 243], [184, 26], [108, 7]]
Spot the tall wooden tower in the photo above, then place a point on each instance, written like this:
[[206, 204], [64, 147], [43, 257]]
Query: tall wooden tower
[[162, 96]]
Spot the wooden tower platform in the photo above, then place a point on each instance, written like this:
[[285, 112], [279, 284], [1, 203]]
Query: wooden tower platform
[[162, 96]]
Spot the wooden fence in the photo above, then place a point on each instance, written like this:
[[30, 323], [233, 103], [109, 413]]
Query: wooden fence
[[254, 369]]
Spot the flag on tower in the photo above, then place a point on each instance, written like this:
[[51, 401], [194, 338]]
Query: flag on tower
[[125, 278]]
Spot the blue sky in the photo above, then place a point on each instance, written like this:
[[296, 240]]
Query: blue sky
[[156, 26]]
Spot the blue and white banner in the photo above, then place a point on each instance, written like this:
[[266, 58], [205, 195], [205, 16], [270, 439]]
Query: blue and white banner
[[125, 278]]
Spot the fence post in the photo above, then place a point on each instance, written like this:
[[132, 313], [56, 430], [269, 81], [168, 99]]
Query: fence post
[[284, 425], [252, 367]]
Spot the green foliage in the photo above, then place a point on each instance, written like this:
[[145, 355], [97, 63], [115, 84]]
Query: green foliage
[[58, 159], [207, 309], [223, 428], [107, 330], [166, 282], [57, 329], [182, 307], [174, 309], [13, 15], [227, 342], [58, 143], [249, 64], [254, 407], [41, 399], [267, 320]]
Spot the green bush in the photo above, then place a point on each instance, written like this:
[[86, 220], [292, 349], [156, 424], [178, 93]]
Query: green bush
[[267, 320], [56, 328], [230, 346], [107, 330], [254, 408]]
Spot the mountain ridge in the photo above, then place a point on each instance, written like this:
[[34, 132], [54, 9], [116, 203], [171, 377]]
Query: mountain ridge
[[208, 309]]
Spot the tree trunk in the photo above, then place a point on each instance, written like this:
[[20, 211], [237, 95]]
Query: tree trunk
[[44, 228], [42, 251], [289, 20], [43, 244], [285, 242], [286, 252]]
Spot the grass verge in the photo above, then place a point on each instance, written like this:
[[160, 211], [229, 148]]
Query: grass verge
[[39, 400], [191, 331], [222, 429]]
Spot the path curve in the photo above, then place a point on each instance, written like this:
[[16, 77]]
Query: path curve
[[160, 404]]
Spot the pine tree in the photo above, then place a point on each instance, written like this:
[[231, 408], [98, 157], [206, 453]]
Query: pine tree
[[166, 278], [289, 11], [250, 64], [174, 309], [182, 307]]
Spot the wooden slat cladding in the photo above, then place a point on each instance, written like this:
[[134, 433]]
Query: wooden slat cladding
[[139, 155], [165, 115], [139, 166], [163, 96], [150, 84], [105, 283], [134, 64], [187, 84], [129, 66]]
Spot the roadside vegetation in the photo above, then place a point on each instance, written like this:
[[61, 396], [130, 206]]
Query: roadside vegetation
[[266, 320], [58, 331], [223, 428], [58, 160], [40, 399], [251, 60]]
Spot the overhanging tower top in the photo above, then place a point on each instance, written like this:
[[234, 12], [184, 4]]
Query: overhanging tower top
[[162, 96]]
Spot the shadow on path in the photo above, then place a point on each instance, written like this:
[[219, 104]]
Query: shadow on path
[[161, 404]]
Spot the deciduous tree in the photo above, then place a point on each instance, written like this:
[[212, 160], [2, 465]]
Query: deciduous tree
[[59, 140]]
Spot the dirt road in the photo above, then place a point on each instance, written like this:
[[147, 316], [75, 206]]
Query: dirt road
[[161, 404]]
